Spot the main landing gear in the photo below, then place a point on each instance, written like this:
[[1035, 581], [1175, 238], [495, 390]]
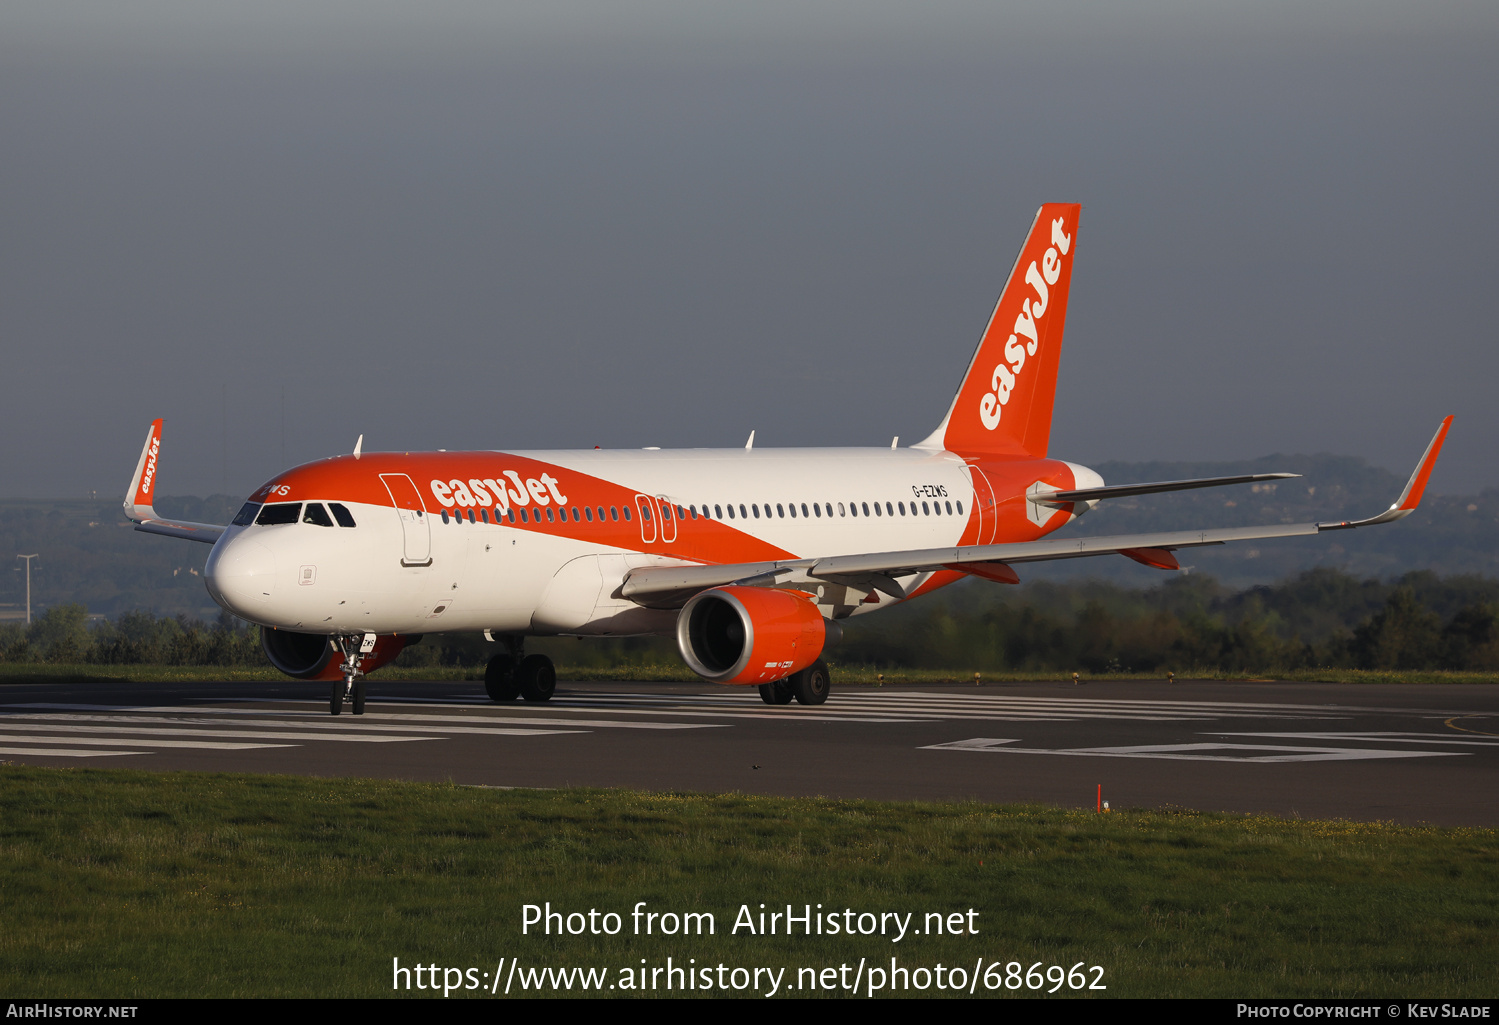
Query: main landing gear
[[351, 687], [513, 674], [809, 687]]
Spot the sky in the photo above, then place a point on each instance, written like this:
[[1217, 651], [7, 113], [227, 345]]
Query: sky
[[281, 225]]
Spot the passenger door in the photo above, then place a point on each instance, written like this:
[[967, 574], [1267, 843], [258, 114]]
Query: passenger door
[[416, 532]]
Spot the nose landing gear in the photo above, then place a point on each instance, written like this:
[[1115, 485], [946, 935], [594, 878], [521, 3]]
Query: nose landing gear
[[351, 687]]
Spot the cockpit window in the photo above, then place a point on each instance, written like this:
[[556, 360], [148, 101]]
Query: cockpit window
[[317, 515], [341, 514], [281, 512], [246, 515]]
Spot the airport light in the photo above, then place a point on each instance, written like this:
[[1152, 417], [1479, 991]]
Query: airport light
[[28, 559]]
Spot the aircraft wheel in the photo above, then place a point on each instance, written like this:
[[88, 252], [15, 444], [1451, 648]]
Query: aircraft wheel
[[500, 680], [812, 684], [537, 678], [359, 696], [336, 698], [777, 692]]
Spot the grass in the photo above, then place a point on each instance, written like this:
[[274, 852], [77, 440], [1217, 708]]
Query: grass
[[130, 884], [39, 672]]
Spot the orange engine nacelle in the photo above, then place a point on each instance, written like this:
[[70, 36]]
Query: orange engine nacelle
[[750, 635], [316, 656]]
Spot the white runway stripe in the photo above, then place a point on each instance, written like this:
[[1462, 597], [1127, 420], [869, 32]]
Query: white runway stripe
[[356, 730], [58, 752], [368, 721], [1199, 752], [206, 745], [1383, 738], [237, 734]]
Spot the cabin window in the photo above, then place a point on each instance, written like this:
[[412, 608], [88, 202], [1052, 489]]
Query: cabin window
[[924, 510], [718, 512], [665, 512], [817, 509], [960, 508], [445, 516], [341, 514], [626, 511], [645, 511], [731, 512], [523, 517], [551, 517], [316, 515], [805, 514], [281, 512], [588, 513], [614, 513], [877, 510], [246, 514], [949, 508]]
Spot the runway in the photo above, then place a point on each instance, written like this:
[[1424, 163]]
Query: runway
[[1409, 754]]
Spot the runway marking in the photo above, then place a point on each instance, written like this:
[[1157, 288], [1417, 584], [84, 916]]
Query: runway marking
[[1198, 752], [1383, 737], [53, 752], [370, 720], [242, 734], [206, 745], [1452, 724]]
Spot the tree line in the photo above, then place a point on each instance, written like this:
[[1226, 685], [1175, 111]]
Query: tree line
[[1319, 618]]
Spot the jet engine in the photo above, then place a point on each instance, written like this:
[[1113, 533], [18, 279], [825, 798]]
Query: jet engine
[[316, 656], [751, 635]]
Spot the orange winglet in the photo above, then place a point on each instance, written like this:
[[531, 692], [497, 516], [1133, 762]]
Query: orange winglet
[[1411, 496], [143, 484]]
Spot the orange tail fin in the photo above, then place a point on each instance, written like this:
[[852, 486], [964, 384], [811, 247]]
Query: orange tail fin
[[1003, 407]]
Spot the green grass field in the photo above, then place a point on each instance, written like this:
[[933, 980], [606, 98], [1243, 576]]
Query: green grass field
[[132, 884]]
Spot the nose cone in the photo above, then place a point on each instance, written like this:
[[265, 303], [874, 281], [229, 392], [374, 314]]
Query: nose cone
[[241, 575]]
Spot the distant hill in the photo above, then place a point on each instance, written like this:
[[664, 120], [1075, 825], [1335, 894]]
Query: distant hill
[[89, 554]]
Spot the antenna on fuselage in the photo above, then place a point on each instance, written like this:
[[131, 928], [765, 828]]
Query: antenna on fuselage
[[358, 445], [751, 443], [895, 441]]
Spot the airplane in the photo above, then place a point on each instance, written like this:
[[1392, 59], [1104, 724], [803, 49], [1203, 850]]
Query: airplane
[[752, 558]]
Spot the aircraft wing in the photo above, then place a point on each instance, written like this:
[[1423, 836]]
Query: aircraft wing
[[666, 585], [138, 500]]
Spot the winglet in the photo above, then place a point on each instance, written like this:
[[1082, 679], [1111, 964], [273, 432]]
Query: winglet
[[1414, 488], [142, 489]]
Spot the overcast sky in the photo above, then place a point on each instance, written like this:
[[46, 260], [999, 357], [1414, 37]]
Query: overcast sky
[[504, 225]]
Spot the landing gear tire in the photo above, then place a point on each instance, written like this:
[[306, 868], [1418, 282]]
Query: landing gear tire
[[776, 693], [812, 684], [336, 698], [359, 696], [536, 678], [501, 682]]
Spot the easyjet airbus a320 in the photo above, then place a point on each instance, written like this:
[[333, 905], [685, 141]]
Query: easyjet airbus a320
[[751, 557]]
